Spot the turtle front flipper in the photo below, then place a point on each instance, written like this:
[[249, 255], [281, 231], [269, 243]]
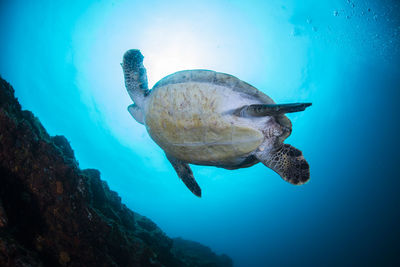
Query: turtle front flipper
[[259, 110], [288, 162], [135, 76], [185, 173]]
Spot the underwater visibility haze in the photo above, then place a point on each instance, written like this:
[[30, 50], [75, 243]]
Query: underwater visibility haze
[[63, 60]]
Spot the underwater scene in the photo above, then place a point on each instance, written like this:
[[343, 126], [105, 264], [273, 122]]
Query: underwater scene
[[86, 181]]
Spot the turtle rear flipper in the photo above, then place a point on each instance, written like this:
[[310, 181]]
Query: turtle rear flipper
[[135, 76], [288, 162]]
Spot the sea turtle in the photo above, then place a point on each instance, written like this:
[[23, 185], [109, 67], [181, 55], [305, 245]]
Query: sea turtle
[[210, 118]]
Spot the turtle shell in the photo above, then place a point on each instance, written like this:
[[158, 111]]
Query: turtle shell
[[187, 115]]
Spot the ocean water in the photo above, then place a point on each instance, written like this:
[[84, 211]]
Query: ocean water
[[63, 59]]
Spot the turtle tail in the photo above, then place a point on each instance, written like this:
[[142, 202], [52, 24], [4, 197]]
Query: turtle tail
[[135, 76]]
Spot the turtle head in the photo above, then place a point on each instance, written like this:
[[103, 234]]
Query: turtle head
[[135, 75]]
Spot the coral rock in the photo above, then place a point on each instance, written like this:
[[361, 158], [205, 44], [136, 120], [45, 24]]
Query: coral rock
[[54, 214]]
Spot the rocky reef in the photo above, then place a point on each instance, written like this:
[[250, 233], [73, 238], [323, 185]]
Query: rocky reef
[[52, 213]]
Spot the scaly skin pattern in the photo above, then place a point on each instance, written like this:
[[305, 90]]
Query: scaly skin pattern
[[191, 121]]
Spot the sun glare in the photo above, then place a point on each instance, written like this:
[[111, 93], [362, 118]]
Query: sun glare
[[178, 51]]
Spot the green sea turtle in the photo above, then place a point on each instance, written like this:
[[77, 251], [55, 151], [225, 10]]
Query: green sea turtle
[[209, 118]]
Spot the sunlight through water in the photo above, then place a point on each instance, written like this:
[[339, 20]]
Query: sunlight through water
[[63, 59]]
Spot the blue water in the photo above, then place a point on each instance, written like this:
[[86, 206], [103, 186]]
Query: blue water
[[62, 57]]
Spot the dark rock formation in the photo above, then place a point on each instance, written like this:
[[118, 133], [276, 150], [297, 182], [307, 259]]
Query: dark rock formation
[[196, 255], [54, 214]]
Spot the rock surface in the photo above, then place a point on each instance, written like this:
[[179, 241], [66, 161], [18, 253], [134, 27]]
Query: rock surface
[[196, 255], [54, 214]]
